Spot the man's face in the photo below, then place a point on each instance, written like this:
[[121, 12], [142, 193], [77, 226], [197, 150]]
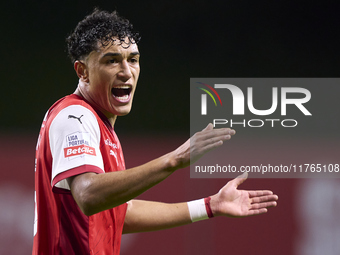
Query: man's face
[[112, 78]]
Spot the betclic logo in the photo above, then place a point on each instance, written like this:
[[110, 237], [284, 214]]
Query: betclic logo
[[280, 98], [79, 150]]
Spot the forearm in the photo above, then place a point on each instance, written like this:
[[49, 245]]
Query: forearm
[[143, 216], [97, 192]]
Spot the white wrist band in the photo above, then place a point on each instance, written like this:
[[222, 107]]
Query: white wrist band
[[197, 210]]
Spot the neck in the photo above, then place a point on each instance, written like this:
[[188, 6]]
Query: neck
[[111, 118]]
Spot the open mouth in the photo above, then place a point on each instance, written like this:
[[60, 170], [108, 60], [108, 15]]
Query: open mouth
[[121, 92]]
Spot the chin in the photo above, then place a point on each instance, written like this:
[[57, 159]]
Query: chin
[[122, 112]]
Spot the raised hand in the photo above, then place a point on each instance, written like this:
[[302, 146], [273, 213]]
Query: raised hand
[[201, 143]]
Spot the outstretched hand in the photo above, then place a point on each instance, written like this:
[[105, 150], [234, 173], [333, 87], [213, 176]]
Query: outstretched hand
[[230, 201]]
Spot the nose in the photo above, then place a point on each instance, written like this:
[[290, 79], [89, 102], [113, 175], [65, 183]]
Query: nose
[[125, 72]]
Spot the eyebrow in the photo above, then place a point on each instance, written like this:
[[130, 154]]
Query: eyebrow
[[114, 54]]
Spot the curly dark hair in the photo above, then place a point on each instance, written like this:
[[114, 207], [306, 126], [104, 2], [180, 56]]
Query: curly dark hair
[[99, 27]]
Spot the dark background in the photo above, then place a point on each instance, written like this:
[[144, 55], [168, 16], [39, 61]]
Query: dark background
[[180, 40]]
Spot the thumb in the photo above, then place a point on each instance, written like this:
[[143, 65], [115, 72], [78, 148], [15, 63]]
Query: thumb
[[209, 127], [240, 179]]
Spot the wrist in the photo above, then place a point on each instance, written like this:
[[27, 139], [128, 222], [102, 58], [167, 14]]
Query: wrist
[[214, 205], [181, 156], [200, 209], [176, 161], [207, 207], [169, 162]]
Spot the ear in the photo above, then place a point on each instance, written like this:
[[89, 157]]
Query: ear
[[81, 70]]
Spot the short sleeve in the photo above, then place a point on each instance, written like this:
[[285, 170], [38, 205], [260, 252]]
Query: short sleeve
[[74, 137]]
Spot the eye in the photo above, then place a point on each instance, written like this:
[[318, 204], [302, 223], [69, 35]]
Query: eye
[[134, 60], [112, 60]]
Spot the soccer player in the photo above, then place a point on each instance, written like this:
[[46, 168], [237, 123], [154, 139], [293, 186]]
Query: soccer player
[[85, 199]]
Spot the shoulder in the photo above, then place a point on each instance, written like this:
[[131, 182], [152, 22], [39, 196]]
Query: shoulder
[[70, 100], [72, 115], [71, 107]]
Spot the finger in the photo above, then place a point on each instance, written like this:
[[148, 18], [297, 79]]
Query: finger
[[211, 127], [232, 132], [211, 146], [257, 211], [210, 140], [208, 127], [259, 193], [226, 131], [263, 205], [263, 199], [240, 179], [221, 134], [210, 131]]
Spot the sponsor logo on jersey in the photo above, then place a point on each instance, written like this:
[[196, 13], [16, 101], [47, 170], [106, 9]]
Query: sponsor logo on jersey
[[77, 118], [79, 150], [78, 144], [76, 139], [112, 153], [111, 144], [114, 148]]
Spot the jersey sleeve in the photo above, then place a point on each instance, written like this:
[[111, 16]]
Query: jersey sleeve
[[74, 137]]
